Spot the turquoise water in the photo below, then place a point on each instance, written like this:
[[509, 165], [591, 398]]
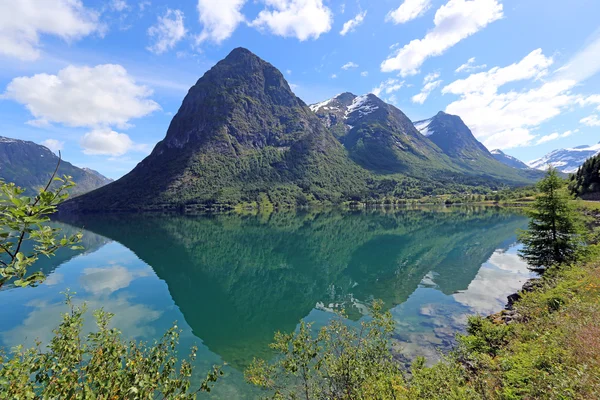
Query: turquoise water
[[231, 281]]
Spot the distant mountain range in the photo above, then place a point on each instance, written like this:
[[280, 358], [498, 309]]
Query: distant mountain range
[[508, 160], [566, 160], [30, 166], [242, 136]]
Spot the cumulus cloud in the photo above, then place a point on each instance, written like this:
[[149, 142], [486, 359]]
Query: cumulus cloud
[[118, 5], [592, 120], [22, 22], [454, 21], [533, 66], [349, 65], [53, 144], [505, 120], [508, 119], [364, 73], [302, 19], [350, 26], [430, 82], [83, 96], [408, 10], [554, 136], [469, 66], [219, 21], [388, 87], [333, 76], [107, 142], [167, 32]]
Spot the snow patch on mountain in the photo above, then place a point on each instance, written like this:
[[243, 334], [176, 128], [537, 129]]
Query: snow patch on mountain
[[317, 106], [362, 105], [423, 127]]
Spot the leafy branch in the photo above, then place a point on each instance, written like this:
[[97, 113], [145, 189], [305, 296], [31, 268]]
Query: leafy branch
[[22, 220]]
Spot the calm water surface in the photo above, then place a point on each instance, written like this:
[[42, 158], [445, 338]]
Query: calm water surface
[[231, 281]]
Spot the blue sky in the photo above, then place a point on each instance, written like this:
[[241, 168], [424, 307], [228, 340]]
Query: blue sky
[[101, 79]]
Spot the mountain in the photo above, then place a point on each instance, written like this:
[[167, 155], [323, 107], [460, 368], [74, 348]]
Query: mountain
[[379, 137], [451, 135], [31, 165], [240, 135], [456, 140], [508, 160], [566, 160]]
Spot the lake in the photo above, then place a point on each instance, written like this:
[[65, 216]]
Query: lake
[[231, 281]]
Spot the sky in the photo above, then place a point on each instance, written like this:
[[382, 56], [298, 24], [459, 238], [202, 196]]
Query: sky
[[100, 80]]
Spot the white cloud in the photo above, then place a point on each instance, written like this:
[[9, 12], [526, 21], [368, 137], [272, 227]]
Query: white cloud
[[408, 10], [349, 65], [454, 21], [118, 5], [505, 120], [333, 76], [143, 4], [289, 71], [388, 87], [169, 30], [351, 25], [302, 19], [470, 66], [53, 144], [364, 73], [83, 96], [554, 136], [219, 21], [533, 66], [592, 120], [107, 142], [429, 84], [431, 77], [22, 22]]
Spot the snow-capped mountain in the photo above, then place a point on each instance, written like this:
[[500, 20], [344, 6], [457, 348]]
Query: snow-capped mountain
[[566, 160], [341, 112], [453, 136], [508, 160]]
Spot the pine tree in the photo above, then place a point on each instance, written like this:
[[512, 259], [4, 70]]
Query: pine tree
[[553, 236]]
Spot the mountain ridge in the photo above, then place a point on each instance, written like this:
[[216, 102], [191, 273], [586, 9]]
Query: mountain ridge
[[508, 160], [242, 136], [30, 166], [566, 160]]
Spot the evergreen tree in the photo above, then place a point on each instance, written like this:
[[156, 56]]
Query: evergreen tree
[[553, 235], [586, 180]]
